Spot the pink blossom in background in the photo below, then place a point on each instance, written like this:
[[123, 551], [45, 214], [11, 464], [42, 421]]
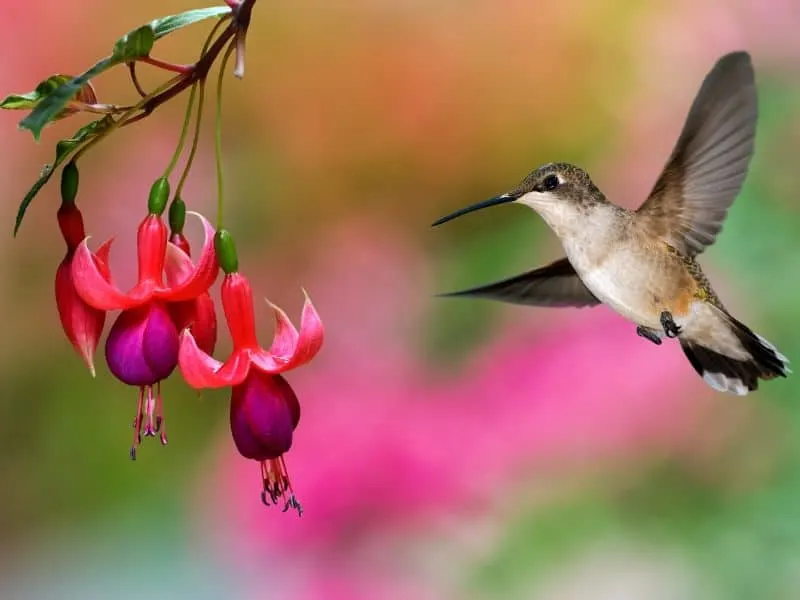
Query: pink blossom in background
[[387, 449]]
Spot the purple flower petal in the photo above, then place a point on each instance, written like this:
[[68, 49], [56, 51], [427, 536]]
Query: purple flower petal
[[160, 343], [264, 413], [142, 347]]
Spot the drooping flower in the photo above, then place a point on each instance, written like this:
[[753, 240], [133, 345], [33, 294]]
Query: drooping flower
[[81, 322], [264, 408], [142, 348]]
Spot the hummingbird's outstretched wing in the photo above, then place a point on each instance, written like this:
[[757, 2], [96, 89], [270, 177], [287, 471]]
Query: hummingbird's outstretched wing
[[556, 284], [709, 163]]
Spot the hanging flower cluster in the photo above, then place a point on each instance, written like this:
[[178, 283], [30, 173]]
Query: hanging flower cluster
[[168, 320]]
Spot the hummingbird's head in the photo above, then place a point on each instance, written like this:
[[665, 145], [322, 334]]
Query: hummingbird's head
[[561, 193]]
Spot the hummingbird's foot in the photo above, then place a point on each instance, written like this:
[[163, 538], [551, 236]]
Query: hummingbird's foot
[[670, 328], [649, 334]]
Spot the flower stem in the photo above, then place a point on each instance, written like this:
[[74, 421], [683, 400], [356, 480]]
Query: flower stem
[[135, 79], [184, 131], [218, 134], [167, 66], [195, 138], [211, 34], [199, 119], [189, 77], [98, 109]]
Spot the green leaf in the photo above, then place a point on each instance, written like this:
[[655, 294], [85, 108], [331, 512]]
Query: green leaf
[[139, 42], [134, 44], [165, 25], [63, 149], [30, 100], [53, 104]]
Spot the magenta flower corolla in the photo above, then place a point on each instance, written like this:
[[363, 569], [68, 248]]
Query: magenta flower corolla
[[142, 347], [264, 414]]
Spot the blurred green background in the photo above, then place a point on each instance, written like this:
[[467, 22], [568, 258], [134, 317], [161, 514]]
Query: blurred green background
[[448, 449]]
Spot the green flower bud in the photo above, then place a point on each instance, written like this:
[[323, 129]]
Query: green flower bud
[[225, 249], [177, 215], [69, 183], [159, 195]]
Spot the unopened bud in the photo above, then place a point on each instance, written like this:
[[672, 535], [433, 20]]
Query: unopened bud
[[159, 195], [225, 249], [69, 183], [177, 215]]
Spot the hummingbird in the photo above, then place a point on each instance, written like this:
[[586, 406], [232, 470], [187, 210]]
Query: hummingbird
[[643, 263]]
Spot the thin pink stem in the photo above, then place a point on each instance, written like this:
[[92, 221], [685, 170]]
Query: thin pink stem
[[167, 66], [135, 80]]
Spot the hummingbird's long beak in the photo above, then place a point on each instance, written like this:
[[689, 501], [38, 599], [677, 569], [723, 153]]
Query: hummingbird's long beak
[[505, 198]]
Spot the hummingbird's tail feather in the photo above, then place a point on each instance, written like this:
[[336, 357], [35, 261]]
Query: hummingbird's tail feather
[[736, 369]]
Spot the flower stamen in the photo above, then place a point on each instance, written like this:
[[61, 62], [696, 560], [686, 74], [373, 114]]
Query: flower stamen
[[150, 428], [277, 486], [150, 405], [137, 424], [161, 424]]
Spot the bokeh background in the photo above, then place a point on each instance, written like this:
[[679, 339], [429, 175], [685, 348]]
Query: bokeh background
[[448, 448]]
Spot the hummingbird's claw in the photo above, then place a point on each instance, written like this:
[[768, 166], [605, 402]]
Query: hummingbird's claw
[[670, 328], [648, 334]]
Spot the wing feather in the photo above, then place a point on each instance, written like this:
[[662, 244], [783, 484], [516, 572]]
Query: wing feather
[[707, 168], [556, 284]]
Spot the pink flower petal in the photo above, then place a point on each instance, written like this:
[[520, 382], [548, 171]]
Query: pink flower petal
[[82, 323], [101, 258], [291, 349], [178, 265], [312, 332], [92, 281], [202, 276], [285, 339], [202, 371]]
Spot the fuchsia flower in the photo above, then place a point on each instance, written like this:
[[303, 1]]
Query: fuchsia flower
[[82, 323], [264, 408], [142, 347]]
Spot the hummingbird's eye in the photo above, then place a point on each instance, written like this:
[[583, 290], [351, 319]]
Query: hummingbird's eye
[[550, 182]]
